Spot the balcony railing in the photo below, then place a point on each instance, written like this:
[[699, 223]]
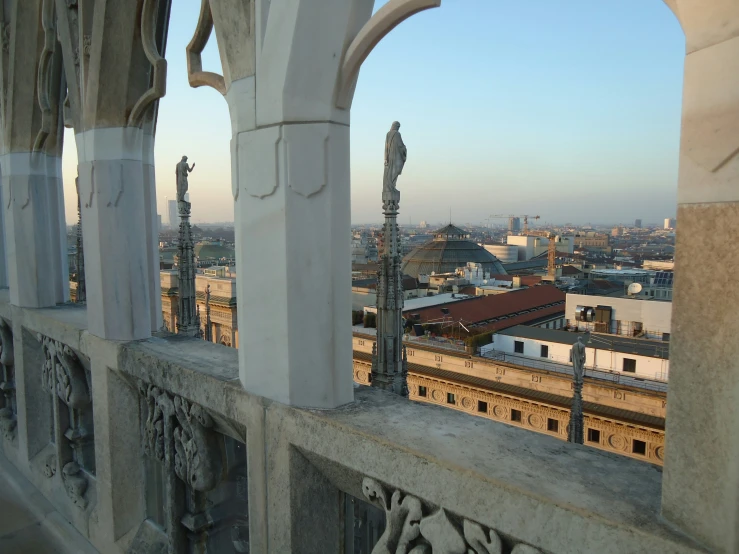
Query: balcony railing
[[156, 445]]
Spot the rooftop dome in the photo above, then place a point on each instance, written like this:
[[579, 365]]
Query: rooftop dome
[[449, 249]]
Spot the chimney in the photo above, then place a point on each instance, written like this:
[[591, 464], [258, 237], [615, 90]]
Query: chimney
[[516, 281]]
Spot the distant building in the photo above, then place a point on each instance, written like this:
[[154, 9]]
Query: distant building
[[531, 246], [423, 224], [173, 220], [670, 223], [223, 312], [629, 317], [657, 265], [159, 222], [506, 253], [449, 250], [514, 224], [642, 359], [540, 305], [594, 242], [637, 223], [616, 232]]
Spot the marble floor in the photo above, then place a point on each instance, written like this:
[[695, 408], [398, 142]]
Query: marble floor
[[20, 531]]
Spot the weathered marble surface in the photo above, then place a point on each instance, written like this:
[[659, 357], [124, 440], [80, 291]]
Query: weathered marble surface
[[114, 222]]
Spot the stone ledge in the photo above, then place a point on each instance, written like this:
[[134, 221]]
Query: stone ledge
[[529, 487], [553, 495]]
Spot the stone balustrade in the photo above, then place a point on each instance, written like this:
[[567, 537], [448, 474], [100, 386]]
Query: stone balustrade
[[155, 446]]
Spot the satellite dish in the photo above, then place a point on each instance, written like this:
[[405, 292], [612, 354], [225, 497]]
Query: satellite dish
[[634, 288]]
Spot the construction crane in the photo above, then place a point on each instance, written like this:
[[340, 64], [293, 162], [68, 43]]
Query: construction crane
[[525, 220], [551, 252]]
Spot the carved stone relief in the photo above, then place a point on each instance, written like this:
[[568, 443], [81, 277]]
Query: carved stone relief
[[414, 527], [64, 376], [6, 37], [180, 434], [8, 411], [197, 457]]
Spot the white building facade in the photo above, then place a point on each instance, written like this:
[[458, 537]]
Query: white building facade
[[629, 317], [635, 358]]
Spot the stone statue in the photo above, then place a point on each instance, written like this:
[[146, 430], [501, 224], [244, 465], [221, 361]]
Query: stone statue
[[395, 156], [182, 171], [578, 359]]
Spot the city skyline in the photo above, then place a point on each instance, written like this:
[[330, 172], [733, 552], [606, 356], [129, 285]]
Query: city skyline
[[571, 112]]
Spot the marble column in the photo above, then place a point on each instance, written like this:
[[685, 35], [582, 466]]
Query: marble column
[[288, 74], [33, 254], [117, 251], [152, 228], [701, 475], [292, 212]]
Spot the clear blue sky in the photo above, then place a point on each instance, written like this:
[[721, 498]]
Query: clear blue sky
[[569, 110]]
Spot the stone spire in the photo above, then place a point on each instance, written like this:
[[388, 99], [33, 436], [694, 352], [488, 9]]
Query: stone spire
[[208, 332], [576, 425], [80, 256], [188, 318], [389, 360]]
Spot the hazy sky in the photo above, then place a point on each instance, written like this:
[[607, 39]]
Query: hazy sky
[[569, 110]]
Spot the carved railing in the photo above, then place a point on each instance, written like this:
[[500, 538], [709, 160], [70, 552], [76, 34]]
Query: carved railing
[[412, 526], [9, 410], [196, 461], [68, 382]]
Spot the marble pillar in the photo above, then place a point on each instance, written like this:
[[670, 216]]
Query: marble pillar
[[115, 232], [152, 231], [292, 212], [31, 219], [700, 492]]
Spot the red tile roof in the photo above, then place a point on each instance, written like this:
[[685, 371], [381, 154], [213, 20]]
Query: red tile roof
[[481, 310], [526, 280]]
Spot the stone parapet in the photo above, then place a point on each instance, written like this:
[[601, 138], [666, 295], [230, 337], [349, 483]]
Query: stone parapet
[[184, 456]]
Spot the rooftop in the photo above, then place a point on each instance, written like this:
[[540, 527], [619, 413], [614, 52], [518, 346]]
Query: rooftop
[[528, 304], [599, 341]]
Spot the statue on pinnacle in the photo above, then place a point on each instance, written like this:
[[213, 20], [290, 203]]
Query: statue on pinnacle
[[395, 155], [389, 357], [182, 172]]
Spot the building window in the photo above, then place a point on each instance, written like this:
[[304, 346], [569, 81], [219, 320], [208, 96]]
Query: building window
[[630, 365], [552, 425], [518, 347], [369, 377], [639, 447], [516, 415], [544, 351], [593, 435], [421, 390], [482, 407], [450, 398]]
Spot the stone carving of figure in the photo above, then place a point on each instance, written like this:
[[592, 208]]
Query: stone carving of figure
[[578, 359], [395, 156], [182, 172]]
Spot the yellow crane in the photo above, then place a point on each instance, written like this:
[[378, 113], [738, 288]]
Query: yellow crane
[[525, 220], [551, 252]]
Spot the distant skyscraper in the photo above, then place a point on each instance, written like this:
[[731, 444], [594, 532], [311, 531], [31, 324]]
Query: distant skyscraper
[[159, 222], [670, 223], [637, 223], [174, 220], [514, 224]]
